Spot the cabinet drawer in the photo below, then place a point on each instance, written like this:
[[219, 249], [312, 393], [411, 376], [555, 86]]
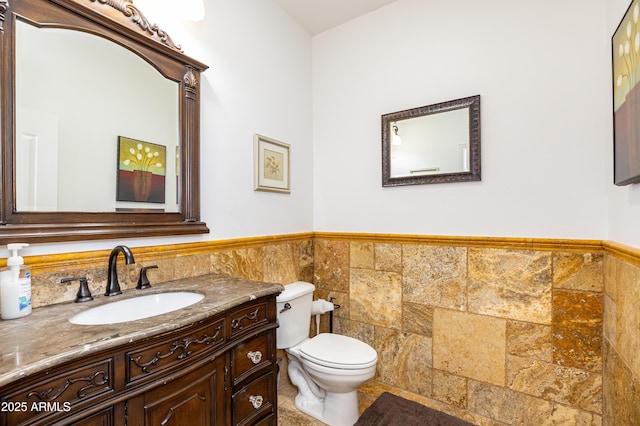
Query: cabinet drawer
[[254, 401], [248, 318], [54, 393], [159, 357], [251, 357]]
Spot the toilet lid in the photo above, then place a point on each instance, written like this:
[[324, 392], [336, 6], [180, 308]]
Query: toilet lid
[[338, 351]]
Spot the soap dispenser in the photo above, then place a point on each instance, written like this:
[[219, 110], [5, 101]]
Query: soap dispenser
[[15, 285]]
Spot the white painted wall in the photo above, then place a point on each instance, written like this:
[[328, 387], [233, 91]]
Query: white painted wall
[[541, 70], [259, 81]]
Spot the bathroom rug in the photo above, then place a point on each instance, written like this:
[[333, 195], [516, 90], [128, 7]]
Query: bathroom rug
[[391, 410]]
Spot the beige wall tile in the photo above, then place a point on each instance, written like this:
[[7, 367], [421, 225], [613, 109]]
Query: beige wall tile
[[376, 297], [507, 406], [578, 271], [331, 265], [388, 257], [470, 345], [434, 275], [192, 266], [404, 360], [620, 391], [609, 324], [628, 316], [518, 409], [611, 276], [449, 388], [417, 319], [530, 340], [361, 255], [244, 263], [281, 263], [358, 330], [570, 386], [513, 284]]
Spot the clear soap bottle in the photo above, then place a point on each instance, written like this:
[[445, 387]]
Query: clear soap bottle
[[15, 286]]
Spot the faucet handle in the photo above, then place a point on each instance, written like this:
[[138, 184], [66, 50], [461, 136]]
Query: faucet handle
[[84, 294], [143, 280]]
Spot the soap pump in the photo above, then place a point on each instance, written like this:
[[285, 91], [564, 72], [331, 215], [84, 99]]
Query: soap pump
[[15, 285]]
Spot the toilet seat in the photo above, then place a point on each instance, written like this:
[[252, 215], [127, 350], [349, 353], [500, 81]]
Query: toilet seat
[[338, 351]]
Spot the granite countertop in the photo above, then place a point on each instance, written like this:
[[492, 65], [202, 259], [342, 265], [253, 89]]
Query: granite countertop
[[46, 338]]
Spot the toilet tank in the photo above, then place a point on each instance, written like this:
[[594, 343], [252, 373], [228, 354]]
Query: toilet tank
[[294, 313]]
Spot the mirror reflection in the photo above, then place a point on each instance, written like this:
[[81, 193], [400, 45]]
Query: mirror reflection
[[432, 144], [71, 121]]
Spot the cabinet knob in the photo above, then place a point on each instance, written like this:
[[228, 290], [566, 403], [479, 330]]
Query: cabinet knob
[[256, 401], [255, 356]]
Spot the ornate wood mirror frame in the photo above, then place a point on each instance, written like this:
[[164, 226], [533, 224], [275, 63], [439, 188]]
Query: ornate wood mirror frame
[[120, 22], [433, 126]]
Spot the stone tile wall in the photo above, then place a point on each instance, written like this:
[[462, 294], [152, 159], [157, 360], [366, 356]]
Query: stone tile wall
[[621, 349], [273, 259], [491, 334], [496, 332]]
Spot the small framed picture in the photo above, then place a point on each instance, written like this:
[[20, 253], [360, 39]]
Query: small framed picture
[[271, 165]]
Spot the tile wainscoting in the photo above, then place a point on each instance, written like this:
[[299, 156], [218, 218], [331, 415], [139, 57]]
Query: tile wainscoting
[[492, 330]]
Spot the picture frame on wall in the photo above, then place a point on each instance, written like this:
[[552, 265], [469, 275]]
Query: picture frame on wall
[[141, 171], [626, 97], [271, 165]]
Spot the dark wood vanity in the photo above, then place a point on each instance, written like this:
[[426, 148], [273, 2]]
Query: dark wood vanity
[[220, 369]]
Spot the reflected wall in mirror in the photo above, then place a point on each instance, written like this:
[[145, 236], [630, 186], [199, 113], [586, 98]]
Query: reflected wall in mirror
[[66, 148], [76, 76], [437, 143]]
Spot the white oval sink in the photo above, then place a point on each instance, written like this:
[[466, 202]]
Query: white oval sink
[[136, 308]]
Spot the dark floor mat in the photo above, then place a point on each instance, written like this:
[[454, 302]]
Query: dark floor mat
[[391, 410]]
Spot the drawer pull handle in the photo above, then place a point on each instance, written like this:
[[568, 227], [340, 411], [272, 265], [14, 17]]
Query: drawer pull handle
[[255, 356], [256, 401]]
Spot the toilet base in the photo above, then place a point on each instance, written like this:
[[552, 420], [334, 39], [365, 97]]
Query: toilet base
[[334, 409], [343, 408]]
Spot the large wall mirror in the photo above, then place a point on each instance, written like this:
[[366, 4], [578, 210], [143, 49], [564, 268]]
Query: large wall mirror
[[437, 143], [101, 124]]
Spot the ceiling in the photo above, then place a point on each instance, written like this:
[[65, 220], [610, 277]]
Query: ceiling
[[317, 16]]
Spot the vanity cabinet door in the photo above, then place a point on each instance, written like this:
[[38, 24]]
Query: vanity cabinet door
[[195, 399]]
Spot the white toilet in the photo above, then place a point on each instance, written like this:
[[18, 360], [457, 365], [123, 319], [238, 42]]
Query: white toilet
[[328, 368]]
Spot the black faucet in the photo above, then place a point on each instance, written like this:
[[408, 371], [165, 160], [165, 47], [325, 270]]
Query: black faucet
[[113, 286]]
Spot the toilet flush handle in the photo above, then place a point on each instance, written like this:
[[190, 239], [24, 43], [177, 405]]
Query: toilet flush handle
[[287, 306]]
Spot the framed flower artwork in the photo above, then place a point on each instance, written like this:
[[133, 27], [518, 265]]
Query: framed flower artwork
[[271, 165], [141, 171], [626, 97]]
